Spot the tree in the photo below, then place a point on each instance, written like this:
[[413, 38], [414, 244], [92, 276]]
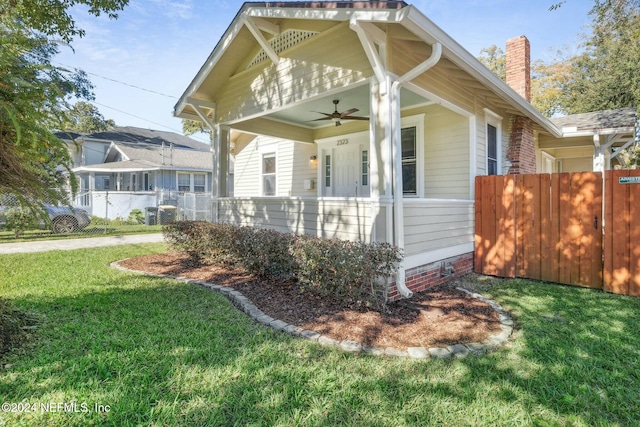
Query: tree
[[85, 117], [547, 79], [606, 75], [34, 94], [189, 127], [630, 158], [494, 59]]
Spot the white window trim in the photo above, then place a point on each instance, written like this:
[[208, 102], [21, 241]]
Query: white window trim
[[417, 121], [178, 173], [191, 180], [495, 120], [265, 150]]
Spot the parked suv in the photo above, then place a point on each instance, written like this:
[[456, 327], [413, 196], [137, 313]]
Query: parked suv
[[62, 219], [65, 220]]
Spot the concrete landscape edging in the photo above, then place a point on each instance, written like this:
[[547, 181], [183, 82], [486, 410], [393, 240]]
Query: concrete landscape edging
[[457, 350]]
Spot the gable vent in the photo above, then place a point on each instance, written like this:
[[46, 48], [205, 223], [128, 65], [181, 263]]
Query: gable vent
[[282, 42]]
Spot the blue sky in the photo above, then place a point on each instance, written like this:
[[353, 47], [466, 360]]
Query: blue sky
[[159, 45]]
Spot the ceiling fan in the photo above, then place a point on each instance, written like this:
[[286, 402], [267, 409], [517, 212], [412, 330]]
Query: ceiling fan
[[337, 116]]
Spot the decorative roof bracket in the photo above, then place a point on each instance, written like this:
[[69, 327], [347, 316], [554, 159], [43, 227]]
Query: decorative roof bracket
[[256, 25]]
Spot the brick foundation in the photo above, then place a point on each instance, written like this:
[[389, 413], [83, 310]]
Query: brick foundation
[[427, 276]]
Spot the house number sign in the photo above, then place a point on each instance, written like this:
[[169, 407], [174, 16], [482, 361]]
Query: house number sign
[[629, 180], [343, 142]]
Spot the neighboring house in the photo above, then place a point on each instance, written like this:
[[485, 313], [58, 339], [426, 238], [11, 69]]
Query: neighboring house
[[590, 142], [134, 168], [394, 160]]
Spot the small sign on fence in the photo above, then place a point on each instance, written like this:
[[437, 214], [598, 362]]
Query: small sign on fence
[[629, 180]]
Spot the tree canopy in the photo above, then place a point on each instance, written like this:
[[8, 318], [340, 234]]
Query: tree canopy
[[605, 75], [34, 94], [85, 117]]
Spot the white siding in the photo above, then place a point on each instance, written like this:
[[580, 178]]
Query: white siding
[[318, 66], [329, 218], [430, 225], [292, 167], [446, 153]]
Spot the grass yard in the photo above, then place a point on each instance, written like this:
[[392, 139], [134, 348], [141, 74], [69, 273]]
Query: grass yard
[[156, 352], [93, 230]]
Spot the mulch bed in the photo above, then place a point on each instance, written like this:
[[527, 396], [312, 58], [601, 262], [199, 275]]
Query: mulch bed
[[437, 317]]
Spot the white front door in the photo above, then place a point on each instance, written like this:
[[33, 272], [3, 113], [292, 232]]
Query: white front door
[[346, 170]]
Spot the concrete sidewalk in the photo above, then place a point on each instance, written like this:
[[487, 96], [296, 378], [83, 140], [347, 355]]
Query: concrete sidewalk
[[69, 244]]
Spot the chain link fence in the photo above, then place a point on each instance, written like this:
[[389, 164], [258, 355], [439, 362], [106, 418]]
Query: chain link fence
[[100, 213]]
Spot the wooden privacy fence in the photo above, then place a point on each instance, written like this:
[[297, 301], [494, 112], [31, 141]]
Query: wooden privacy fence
[[550, 228], [622, 232]]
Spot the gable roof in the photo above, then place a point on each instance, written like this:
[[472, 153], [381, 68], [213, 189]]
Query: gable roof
[[155, 156], [213, 74], [622, 118], [135, 135]]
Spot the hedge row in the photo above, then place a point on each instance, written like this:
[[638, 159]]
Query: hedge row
[[355, 273]]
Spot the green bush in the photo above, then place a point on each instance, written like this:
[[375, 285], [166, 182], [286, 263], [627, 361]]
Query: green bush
[[354, 273], [264, 253], [20, 219], [136, 216]]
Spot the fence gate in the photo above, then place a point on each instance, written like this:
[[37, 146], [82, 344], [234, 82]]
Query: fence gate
[[544, 227]]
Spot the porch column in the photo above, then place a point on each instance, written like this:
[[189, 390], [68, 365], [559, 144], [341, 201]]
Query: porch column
[[219, 138], [380, 163], [223, 175], [92, 181], [598, 155]]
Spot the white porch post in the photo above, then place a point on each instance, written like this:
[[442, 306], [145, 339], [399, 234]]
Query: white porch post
[[598, 156], [219, 147], [380, 162]]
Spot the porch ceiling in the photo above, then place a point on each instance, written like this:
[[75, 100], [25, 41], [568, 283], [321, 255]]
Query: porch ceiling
[[306, 114]]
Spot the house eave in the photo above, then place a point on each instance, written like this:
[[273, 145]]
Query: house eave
[[591, 132], [419, 23], [251, 10]]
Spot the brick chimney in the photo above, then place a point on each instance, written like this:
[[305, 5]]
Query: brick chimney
[[521, 152], [519, 66]]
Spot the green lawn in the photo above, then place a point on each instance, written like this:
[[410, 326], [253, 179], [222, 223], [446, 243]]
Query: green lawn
[[163, 353], [93, 230]]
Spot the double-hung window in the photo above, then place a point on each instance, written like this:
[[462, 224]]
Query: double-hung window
[[184, 182], [494, 130], [492, 150], [409, 162], [199, 183], [269, 174]]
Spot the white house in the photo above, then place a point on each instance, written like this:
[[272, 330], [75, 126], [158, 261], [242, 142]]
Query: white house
[[130, 168], [361, 120], [590, 141]]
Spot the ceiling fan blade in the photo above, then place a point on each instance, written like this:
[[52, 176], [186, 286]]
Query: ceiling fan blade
[[355, 118], [323, 118], [346, 113], [324, 114]]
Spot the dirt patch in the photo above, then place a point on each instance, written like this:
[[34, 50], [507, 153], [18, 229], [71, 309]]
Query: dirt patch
[[437, 317]]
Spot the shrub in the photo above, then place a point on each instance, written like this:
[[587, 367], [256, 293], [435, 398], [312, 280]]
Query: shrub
[[354, 273], [19, 220], [265, 253], [204, 242], [136, 216]]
